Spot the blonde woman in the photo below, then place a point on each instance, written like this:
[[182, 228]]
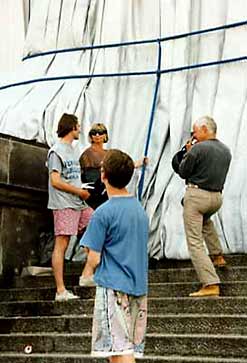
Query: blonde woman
[[90, 161]]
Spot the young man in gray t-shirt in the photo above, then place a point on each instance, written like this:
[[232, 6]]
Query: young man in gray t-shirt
[[66, 198]]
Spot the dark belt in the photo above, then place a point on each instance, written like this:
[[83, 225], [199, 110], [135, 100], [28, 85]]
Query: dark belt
[[191, 185]]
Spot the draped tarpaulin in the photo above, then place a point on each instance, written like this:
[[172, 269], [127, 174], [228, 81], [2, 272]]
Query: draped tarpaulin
[[12, 27], [32, 111]]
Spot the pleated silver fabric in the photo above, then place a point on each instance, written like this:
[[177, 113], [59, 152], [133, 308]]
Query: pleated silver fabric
[[32, 111]]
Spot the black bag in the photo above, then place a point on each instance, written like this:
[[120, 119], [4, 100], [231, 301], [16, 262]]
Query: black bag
[[98, 195]]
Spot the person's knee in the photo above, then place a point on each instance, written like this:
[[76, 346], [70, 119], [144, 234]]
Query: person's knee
[[61, 242]]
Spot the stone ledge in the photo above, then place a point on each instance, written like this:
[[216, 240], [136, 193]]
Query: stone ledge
[[22, 163], [23, 203], [22, 197]]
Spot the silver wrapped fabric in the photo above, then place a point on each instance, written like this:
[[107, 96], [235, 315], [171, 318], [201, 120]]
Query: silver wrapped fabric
[[32, 110]]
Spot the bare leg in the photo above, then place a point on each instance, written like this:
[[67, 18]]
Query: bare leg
[[61, 243], [87, 271], [122, 359], [87, 276]]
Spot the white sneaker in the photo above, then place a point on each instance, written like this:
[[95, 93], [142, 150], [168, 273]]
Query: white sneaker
[[65, 296], [86, 281]]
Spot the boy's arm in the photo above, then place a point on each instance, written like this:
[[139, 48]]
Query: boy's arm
[[59, 184], [93, 259]]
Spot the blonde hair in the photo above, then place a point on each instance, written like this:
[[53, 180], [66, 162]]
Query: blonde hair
[[98, 127], [208, 122]]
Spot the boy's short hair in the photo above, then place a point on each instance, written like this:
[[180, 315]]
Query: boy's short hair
[[66, 124], [118, 168]]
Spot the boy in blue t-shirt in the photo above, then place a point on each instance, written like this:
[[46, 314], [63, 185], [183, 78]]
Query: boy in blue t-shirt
[[117, 237]]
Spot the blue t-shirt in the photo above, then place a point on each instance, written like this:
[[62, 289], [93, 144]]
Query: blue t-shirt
[[119, 231]]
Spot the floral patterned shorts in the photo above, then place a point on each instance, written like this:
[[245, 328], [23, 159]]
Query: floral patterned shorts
[[119, 323], [68, 222]]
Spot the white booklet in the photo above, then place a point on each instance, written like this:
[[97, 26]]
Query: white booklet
[[87, 185]]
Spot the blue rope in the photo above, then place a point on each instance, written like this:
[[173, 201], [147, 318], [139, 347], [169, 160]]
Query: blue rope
[[158, 72], [126, 74], [29, 11], [203, 65], [138, 42], [150, 125]]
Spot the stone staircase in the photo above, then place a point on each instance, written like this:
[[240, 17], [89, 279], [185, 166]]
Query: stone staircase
[[180, 328]]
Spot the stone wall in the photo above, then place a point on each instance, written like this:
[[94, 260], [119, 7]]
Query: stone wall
[[23, 201]]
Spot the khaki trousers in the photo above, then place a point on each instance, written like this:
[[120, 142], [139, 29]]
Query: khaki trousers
[[199, 205]]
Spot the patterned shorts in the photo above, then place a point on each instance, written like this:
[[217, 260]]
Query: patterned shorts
[[68, 222], [119, 323]]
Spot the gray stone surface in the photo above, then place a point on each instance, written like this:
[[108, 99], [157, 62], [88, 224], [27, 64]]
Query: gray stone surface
[[165, 290], [85, 358], [20, 236], [4, 160], [157, 324], [180, 328], [155, 276], [23, 201], [156, 344], [222, 305], [27, 166]]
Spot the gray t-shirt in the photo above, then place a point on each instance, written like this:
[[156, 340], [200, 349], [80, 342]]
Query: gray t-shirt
[[62, 158]]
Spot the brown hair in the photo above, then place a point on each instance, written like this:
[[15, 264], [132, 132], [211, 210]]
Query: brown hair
[[66, 124], [118, 168]]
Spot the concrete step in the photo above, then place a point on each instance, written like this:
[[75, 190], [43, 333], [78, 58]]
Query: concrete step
[[169, 305], [198, 324], [186, 274], [235, 270], [49, 324], [178, 289], [86, 358], [156, 344], [46, 308], [232, 260], [200, 330], [41, 293], [172, 323]]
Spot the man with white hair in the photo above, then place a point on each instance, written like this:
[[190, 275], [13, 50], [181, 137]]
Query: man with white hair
[[203, 163]]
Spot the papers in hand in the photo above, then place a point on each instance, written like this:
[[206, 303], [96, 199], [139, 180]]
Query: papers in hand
[[87, 186]]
